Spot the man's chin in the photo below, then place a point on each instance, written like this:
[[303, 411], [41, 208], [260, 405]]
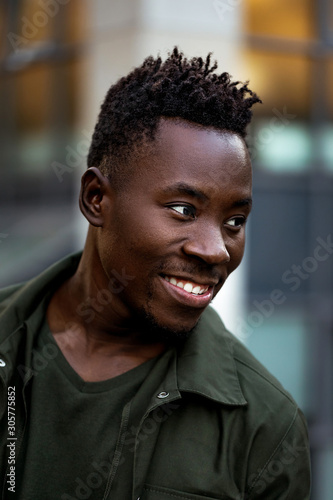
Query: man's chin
[[155, 331]]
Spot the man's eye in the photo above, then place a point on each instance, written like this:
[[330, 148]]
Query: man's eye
[[236, 222], [185, 210]]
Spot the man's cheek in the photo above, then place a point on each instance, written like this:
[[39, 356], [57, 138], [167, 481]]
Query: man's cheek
[[235, 261]]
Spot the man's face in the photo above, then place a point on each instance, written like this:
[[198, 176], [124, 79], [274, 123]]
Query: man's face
[[179, 226]]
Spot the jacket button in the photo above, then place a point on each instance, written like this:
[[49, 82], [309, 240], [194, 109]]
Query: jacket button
[[162, 395], [2, 363]]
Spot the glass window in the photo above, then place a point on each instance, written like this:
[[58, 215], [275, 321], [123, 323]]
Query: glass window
[[268, 341], [281, 145], [283, 82], [330, 83], [322, 469], [278, 235], [39, 125], [33, 109], [326, 147], [330, 19], [37, 22], [280, 18]]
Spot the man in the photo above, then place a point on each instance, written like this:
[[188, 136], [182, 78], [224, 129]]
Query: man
[[125, 383]]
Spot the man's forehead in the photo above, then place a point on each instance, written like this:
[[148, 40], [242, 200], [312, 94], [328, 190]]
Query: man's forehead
[[176, 134], [186, 152], [178, 139]]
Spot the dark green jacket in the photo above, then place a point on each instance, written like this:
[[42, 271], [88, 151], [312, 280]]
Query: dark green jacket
[[216, 426]]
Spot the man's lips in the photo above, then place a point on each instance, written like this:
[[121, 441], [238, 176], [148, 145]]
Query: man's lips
[[188, 292], [187, 285]]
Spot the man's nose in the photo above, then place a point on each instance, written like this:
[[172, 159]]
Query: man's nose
[[207, 243]]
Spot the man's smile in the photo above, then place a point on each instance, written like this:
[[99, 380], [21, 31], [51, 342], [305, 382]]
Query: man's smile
[[188, 286], [188, 292]]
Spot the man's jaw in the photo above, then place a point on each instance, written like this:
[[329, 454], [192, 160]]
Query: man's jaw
[[155, 331], [183, 298]]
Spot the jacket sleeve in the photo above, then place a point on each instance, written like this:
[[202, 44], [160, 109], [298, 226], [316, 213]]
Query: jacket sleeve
[[286, 475]]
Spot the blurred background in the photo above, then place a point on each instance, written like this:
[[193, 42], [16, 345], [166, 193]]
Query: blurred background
[[57, 60]]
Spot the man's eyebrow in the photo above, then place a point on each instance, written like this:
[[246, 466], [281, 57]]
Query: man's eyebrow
[[243, 203], [183, 188]]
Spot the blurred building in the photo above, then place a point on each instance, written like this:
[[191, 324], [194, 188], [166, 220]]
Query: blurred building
[[59, 57]]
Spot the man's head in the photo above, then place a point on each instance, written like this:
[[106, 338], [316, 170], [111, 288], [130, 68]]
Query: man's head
[[177, 87], [177, 225]]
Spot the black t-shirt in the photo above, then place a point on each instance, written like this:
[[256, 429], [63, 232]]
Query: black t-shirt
[[73, 426]]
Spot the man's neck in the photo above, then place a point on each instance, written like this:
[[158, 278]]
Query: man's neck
[[91, 336]]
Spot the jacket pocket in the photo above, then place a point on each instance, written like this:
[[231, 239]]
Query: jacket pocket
[[158, 493]]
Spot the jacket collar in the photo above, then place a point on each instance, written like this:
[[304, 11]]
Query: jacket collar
[[205, 363], [19, 305]]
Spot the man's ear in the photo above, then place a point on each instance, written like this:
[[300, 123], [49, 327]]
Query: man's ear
[[94, 196]]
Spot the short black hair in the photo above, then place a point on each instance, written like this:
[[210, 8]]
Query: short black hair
[[178, 87]]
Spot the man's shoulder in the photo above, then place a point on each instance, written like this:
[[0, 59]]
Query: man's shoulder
[[17, 302], [258, 385], [8, 294], [269, 406]]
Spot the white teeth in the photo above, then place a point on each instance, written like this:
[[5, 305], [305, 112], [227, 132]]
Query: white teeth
[[188, 287]]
